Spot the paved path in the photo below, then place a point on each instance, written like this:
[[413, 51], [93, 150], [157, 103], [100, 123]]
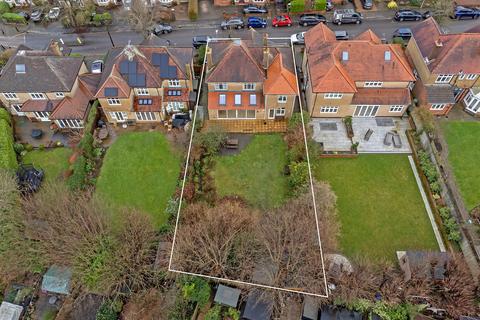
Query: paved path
[[441, 245]]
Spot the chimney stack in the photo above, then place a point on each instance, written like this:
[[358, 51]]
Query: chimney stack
[[266, 52], [208, 57]]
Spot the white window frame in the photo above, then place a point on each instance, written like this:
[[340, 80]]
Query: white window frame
[[69, 123], [119, 116], [174, 83], [18, 106], [444, 78], [10, 96], [114, 101], [271, 113], [472, 103], [333, 95], [42, 115], [238, 99], [396, 108], [175, 106], [437, 106], [145, 116], [282, 99], [373, 84], [329, 109], [471, 76], [249, 87], [37, 96], [254, 98], [236, 114], [142, 92], [280, 112], [220, 96], [59, 95], [221, 86]]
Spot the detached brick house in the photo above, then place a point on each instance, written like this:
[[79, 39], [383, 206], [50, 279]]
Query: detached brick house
[[361, 77], [447, 67], [46, 87], [249, 82], [146, 84]]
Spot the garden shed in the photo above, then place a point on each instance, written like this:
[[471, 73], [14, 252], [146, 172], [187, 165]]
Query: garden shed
[[227, 296], [257, 307], [10, 311], [57, 280]]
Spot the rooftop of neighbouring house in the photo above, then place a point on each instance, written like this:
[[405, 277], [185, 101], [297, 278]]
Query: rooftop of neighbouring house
[[335, 66], [142, 67], [448, 53]]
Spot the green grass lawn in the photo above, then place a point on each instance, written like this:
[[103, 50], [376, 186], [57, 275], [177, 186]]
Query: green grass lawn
[[140, 170], [256, 173], [463, 156], [53, 161], [379, 205]]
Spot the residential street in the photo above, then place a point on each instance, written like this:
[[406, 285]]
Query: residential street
[[98, 42]]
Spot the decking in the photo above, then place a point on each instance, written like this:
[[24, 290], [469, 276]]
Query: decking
[[249, 126]]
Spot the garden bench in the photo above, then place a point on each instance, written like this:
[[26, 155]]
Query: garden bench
[[397, 143], [368, 134], [388, 139], [231, 144]]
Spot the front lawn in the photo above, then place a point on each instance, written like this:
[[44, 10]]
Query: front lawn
[[463, 156], [256, 173], [54, 162], [379, 205], [140, 170]]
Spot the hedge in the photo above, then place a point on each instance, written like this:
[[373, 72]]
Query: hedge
[[193, 9], [297, 6], [4, 7], [320, 5], [13, 17], [5, 115], [8, 157], [102, 18]]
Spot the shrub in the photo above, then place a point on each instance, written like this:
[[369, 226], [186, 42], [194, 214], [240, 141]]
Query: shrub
[[5, 115], [4, 7], [8, 157], [109, 310], [195, 289], [92, 116], [214, 313], [211, 141], [320, 5], [201, 54], [13, 18], [298, 179], [28, 147], [297, 6], [435, 187], [193, 9], [86, 145], [102, 18], [77, 181], [18, 147], [426, 117], [232, 313], [398, 40], [296, 120], [444, 212]]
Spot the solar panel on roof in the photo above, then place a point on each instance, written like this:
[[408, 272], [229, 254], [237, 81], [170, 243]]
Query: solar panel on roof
[[132, 67], [136, 80], [172, 72], [124, 67], [111, 92], [163, 60], [156, 59]]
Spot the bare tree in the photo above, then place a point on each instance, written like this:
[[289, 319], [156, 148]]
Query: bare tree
[[141, 17]]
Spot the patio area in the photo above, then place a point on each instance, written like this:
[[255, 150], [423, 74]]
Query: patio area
[[331, 132], [23, 133], [380, 127]]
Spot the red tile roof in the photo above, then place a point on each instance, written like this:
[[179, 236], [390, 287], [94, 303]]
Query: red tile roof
[[279, 79], [74, 107], [45, 105], [384, 96], [369, 35], [213, 100]]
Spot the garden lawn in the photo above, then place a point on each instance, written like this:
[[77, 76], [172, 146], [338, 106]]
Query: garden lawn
[[379, 206], [140, 170], [54, 162], [463, 155], [256, 173]]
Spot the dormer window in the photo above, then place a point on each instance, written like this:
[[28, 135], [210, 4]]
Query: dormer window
[[59, 95], [444, 78], [249, 86], [141, 91], [373, 84], [19, 68], [221, 86], [174, 83], [37, 96]]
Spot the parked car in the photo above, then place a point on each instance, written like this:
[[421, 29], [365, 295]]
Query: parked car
[[464, 13], [329, 5], [54, 13], [25, 15], [346, 16], [254, 9], [311, 19], [162, 28], [404, 33], [256, 22], [410, 15], [234, 23], [282, 21], [341, 35], [36, 15], [367, 4], [199, 41], [97, 66], [298, 38]]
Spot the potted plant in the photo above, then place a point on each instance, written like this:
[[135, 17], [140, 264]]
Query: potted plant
[[348, 124]]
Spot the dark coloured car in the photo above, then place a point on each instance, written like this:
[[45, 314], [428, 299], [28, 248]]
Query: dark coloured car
[[199, 41], [162, 28], [36, 15], [341, 35], [346, 16], [410, 15], [254, 9], [310, 19], [234, 23], [404, 33], [465, 13], [256, 22], [367, 4]]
